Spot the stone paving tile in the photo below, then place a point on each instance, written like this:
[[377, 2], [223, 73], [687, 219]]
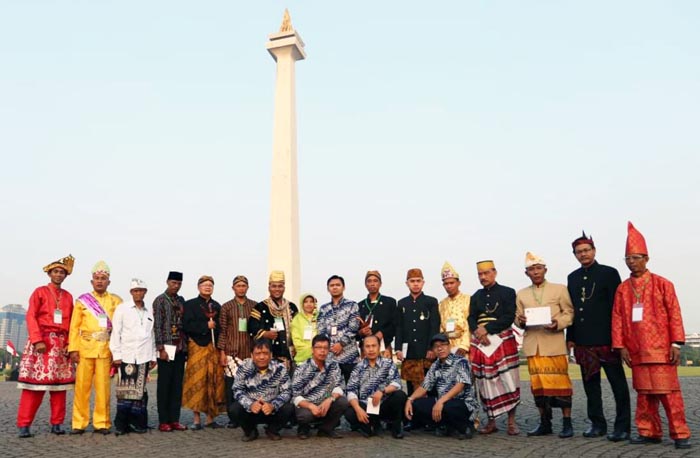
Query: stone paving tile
[[225, 442]]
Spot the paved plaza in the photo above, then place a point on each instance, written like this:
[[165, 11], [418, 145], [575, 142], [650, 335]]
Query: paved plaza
[[225, 442]]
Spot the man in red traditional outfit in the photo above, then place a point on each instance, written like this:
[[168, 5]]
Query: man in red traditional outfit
[[45, 364], [647, 328]]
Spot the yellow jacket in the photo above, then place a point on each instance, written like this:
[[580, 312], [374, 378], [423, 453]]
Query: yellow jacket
[[538, 340], [83, 325], [456, 309]]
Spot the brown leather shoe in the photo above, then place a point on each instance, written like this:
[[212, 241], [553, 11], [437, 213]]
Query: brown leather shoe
[[513, 429], [490, 428]]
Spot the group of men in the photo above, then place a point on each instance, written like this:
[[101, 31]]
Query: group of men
[[239, 357]]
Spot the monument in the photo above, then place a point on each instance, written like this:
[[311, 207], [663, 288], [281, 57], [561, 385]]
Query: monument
[[286, 47]]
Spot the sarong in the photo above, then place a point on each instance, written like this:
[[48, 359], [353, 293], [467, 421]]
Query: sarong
[[590, 358], [497, 376], [655, 378], [549, 380], [48, 371], [203, 389], [413, 370], [131, 396]]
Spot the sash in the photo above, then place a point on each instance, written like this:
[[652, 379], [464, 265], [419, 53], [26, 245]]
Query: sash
[[94, 307]]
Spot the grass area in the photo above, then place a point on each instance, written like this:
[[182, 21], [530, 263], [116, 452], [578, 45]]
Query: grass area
[[575, 372]]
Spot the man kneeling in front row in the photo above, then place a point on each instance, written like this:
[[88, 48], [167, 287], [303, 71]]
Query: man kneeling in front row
[[455, 407], [262, 391]]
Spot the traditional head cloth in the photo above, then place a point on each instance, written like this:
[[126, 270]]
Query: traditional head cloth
[[101, 268], [239, 279], [276, 276], [485, 265], [177, 276], [583, 240], [414, 273], [137, 283], [63, 263], [439, 338], [204, 278], [303, 297], [448, 272], [373, 273], [635, 241], [533, 260]]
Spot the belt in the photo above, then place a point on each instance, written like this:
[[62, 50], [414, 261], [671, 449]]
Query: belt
[[100, 336]]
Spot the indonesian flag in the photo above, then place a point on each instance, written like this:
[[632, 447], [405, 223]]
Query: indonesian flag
[[11, 348]]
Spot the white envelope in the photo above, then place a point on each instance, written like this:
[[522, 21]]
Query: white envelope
[[538, 316], [170, 350], [371, 408], [494, 343]]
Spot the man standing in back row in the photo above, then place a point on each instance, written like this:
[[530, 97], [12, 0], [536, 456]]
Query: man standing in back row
[[592, 290]]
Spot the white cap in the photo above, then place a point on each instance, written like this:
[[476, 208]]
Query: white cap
[[137, 284]]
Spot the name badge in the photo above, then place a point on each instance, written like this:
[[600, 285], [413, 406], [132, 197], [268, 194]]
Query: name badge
[[334, 330], [308, 333], [370, 320], [450, 325], [404, 349], [279, 324], [637, 312], [102, 320], [242, 325], [57, 317]]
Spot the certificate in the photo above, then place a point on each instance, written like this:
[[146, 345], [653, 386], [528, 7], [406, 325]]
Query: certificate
[[538, 316], [494, 342], [371, 408], [170, 350]]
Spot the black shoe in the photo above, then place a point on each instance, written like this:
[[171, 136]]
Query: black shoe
[[681, 443], [196, 427], [139, 430], [594, 431], [303, 433], [273, 434], [232, 425], [76, 432], [213, 425], [329, 434], [57, 430], [429, 428], [639, 440], [567, 429], [251, 436], [440, 431], [103, 431], [120, 432], [407, 426], [397, 430], [543, 429], [24, 432], [618, 436]]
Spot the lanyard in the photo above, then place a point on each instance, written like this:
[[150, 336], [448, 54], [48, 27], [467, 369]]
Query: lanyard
[[371, 309], [637, 295]]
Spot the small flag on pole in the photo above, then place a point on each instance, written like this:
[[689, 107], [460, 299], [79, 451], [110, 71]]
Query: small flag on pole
[[11, 348]]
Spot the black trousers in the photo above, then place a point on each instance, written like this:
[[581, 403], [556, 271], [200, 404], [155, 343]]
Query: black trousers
[[346, 370], [455, 413], [169, 388], [618, 383], [228, 389], [390, 410], [305, 418], [249, 421]]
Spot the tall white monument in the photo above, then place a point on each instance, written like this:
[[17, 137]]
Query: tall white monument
[[286, 47]]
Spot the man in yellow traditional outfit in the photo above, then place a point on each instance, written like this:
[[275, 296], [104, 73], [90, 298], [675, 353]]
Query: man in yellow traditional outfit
[[90, 329], [550, 311], [454, 311]]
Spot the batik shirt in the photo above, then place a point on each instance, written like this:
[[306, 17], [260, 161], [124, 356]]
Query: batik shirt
[[443, 376], [272, 385], [343, 318], [314, 385], [366, 380]]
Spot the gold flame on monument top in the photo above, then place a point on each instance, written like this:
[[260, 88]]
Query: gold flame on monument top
[[286, 22]]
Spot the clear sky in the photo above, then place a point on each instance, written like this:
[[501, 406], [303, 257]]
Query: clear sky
[[140, 133]]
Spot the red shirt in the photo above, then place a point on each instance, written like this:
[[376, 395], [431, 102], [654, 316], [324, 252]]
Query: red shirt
[[43, 303]]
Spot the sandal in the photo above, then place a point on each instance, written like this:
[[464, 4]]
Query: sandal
[[513, 429]]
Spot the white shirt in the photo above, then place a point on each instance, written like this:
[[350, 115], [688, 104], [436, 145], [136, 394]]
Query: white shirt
[[132, 340]]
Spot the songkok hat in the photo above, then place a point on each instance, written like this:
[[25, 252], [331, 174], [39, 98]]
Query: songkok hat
[[373, 273], [276, 276], [63, 263], [137, 283], [414, 273], [239, 279], [177, 276], [583, 240], [303, 297], [101, 268], [485, 265], [635, 241], [204, 278], [449, 272], [439, 338], [533, 260]]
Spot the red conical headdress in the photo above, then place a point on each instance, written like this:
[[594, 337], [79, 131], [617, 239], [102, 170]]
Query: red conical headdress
[[635, 241]]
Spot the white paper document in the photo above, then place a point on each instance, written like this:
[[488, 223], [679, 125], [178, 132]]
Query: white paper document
[[371, 408], [494, 343], [538, 316], [170, 350]]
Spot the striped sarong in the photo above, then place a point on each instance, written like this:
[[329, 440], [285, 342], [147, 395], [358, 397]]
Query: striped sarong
[[497, 376], [203, 388]]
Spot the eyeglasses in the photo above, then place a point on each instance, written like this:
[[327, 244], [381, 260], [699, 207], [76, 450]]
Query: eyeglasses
[[583, 251], [634, 257]]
